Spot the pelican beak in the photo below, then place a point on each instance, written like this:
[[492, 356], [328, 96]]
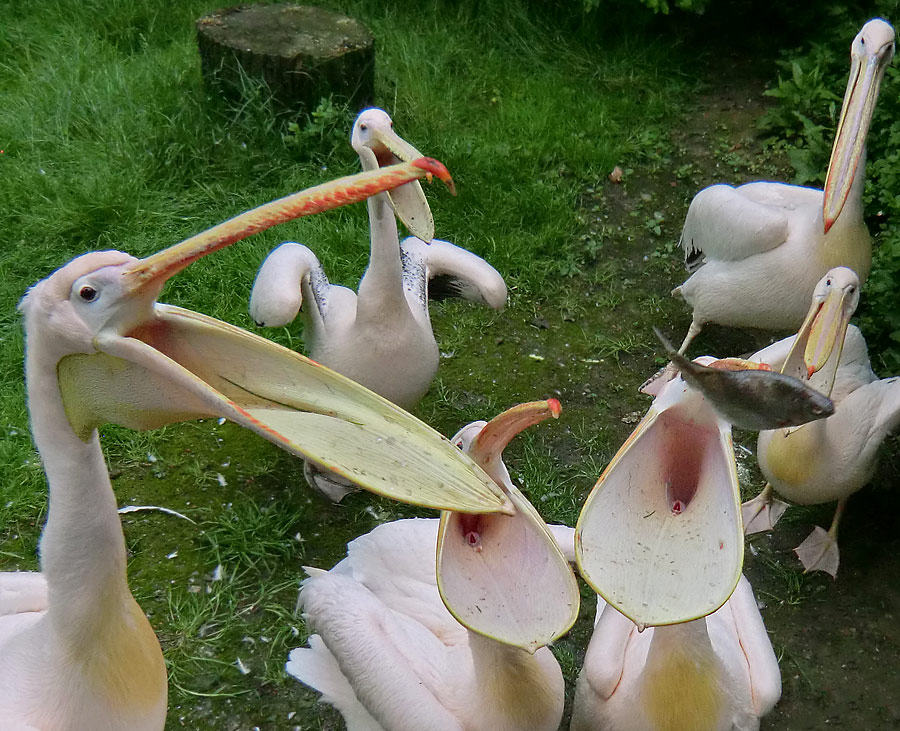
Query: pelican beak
[[163, 364], [820, 339], [408, 201], [505, 577], [866, 72], [660, 537], [150, 274]]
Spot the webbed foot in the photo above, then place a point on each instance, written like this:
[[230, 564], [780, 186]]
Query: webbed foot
[[819, 552], [762, 512]]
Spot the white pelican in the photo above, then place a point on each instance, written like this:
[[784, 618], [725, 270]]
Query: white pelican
[[757, 251], [389, 655], [77, 651], [718, 673], [832, 458], [381, 336], [659, 536]]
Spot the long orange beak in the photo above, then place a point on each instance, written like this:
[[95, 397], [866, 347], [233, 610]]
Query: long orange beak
[[157, 268], [866, 72]]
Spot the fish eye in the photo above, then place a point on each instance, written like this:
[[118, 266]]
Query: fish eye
[[88, 294]]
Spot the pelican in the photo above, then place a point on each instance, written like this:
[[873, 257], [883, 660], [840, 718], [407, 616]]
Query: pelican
[[757, 251], [659, 537], [718, 673], [77, 651], [380, 336], [390, 656], [832, 458]]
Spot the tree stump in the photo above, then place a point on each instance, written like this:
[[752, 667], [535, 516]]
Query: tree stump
[[302, 53]]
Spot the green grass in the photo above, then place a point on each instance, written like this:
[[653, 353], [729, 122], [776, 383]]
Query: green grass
[[111, 140]]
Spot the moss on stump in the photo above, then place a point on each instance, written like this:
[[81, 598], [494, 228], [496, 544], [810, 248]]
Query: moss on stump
[[302, 53]]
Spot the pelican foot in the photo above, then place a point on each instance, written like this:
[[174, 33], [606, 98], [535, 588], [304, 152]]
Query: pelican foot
[[332, 486], [762, 513], [819, 552]]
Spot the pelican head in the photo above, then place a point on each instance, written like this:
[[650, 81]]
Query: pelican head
[[506, 579], [121, 357], [374, 140], [870, 54], [821, 336]]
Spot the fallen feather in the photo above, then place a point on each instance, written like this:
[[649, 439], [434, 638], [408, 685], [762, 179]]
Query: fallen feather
[[138, 508]]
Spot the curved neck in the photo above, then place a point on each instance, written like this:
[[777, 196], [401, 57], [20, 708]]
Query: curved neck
[[514, 683], [381, 289], [681, 678], [82, 547]]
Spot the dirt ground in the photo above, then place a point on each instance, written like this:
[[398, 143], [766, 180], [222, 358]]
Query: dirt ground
[[837, 641]]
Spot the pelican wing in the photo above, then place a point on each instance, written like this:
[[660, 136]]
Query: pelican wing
[[440, 269], [604, 661], [723, 223], [22, 591], [183, 365], [394, 665], [396, 562], [765, 678], [277, 296]]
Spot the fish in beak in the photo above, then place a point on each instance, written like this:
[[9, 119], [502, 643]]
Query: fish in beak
[[154, 364], [660, 536], [505, 577], [377, 145], [870, 54], [750, 395], [821, 336]]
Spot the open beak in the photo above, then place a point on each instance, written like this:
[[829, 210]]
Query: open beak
[[856, 114], [408, 201], [660, 537], [820, 339], [505, 577], [168, 364]]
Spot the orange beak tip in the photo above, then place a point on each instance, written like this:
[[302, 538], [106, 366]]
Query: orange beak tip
[[437, 168], [555, 407], [810, 370], [829, 222]]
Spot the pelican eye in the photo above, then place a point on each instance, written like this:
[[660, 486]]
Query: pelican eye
[[827, 282], [88, 294], [363, 127]]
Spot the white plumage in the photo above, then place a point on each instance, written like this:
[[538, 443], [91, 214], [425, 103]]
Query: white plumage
[[718, 673], [830, 459], [757, 251], [388, 653], [380, 336], [390, 657]]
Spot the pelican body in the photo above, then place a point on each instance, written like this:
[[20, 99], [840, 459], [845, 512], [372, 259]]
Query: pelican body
[[380, 336], [409, 639], [832, 458], [76, 651], [757, 251], [717, 673]]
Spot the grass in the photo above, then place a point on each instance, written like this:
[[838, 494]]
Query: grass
[[111, 140]]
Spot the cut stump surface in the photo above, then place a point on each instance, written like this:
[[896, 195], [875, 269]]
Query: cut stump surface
[[302, 53]]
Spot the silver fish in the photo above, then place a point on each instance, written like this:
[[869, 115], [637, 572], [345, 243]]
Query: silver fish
[[750, 398]]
